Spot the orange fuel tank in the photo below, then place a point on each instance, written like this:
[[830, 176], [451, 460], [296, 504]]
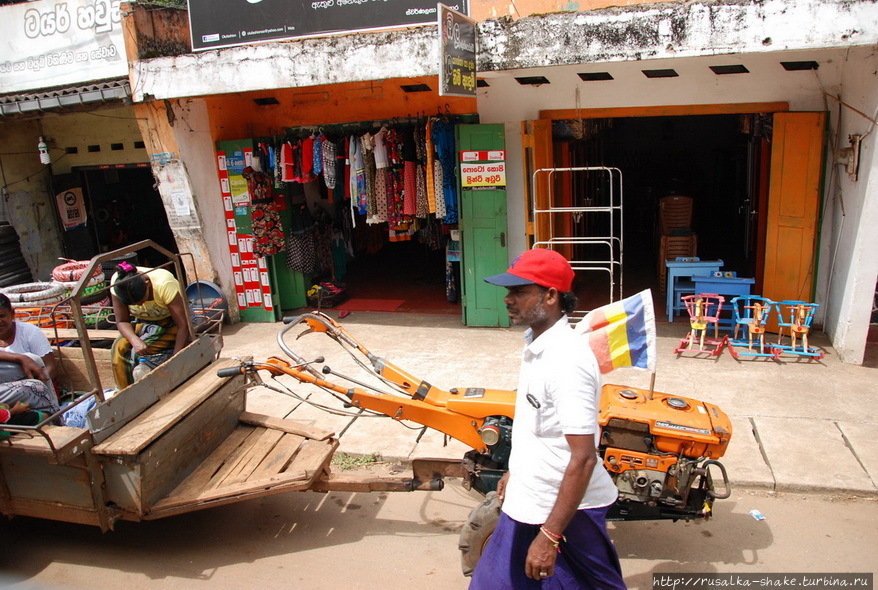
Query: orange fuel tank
[[631, 418]]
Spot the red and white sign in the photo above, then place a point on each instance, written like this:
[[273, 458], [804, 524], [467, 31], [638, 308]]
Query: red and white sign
[[483, 156], [490, 174], [252, 287]]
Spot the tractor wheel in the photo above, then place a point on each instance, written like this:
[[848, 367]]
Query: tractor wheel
[[475, 533]]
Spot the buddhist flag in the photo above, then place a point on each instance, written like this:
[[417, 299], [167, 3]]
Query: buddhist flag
[[622, 334]]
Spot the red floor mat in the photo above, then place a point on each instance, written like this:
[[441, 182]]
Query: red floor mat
[[371, 304]]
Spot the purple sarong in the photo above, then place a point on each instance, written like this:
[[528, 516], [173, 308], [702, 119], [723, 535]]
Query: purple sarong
[[587, 560]]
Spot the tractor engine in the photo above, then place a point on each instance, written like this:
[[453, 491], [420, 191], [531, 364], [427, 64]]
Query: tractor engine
[[659, 449]]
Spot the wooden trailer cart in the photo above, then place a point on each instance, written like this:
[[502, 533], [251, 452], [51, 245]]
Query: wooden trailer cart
[[177, 440]]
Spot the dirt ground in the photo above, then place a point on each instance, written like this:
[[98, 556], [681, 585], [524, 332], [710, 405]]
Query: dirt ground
[[393, 540]]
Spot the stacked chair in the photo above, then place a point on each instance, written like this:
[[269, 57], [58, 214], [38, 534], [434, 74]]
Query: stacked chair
[[676, 238]]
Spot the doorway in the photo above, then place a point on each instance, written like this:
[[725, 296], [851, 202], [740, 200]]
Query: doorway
[[719, 159], [707, 157], [123, 208], [410, 272], [127, 208]]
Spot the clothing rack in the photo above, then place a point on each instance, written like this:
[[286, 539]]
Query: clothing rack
[[360, 127]]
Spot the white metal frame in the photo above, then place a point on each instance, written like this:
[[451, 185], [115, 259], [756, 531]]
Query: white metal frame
[[612, 264]]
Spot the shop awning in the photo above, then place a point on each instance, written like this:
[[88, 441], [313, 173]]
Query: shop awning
[[43, 100]]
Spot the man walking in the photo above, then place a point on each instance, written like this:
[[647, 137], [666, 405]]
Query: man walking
[[552, 531]]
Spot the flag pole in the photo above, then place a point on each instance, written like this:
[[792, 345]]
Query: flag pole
[[651, 384]]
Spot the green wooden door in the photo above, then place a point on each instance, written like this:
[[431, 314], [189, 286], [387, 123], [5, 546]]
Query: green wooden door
[[482, 222], [292, 285]]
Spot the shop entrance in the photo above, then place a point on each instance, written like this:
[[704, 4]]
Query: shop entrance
[[123, 207], [721, 161], [711, 158], [405, 276]]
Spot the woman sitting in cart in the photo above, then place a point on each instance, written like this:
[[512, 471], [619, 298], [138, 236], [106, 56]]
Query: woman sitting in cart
[[27, 365], [160, 326]]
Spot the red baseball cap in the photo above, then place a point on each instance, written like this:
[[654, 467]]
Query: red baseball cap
[[539, 266]]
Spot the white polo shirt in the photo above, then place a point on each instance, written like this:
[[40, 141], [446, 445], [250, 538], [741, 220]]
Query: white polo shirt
[[560, 373]]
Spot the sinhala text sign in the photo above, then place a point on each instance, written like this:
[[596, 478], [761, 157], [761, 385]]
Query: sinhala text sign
[[483, 168], [226, 23], [457, 53], [57, 43]]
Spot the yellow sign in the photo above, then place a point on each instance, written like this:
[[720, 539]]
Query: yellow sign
[[491, 174]]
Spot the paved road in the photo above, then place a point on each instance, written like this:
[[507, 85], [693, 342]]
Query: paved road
[[382, 541]]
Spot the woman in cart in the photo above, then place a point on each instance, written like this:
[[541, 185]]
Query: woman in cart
[[25, 344], [151, 316]]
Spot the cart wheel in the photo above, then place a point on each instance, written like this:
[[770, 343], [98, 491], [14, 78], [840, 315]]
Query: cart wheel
[[475, 533]]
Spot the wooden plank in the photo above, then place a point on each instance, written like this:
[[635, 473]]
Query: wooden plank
[[116, 412], [354, 482], [199, 478], [53, 511], [68, 442], [279, 457], [288, 481], [254, 456], [150, 475], [123, 485], [33, 477], [72, 372], [73, 334], [234, 459], [298, 480], [285, 425], [312, 456], [178, 452], [155, 420]]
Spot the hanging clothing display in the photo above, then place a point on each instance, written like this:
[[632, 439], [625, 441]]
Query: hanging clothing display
[[301, 247], [286, 162], [380, 149], [306, 148], [328, 149], [438, 188], [369, 172], [268, 234], [443, 138], [428, 166], [317, 155], [398, 178], [358, 175]]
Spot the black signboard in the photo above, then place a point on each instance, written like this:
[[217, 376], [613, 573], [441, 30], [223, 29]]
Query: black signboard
[[457, 51], [226, 23]]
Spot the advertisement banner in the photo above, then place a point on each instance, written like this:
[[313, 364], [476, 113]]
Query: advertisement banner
[[59, 43], [71, 208], [457, 53], [227, 23]]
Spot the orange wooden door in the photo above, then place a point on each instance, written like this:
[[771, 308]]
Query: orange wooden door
[[536, 137], [793, 206]]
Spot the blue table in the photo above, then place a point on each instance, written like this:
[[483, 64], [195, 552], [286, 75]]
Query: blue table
[[680, 275], [728, 287]]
